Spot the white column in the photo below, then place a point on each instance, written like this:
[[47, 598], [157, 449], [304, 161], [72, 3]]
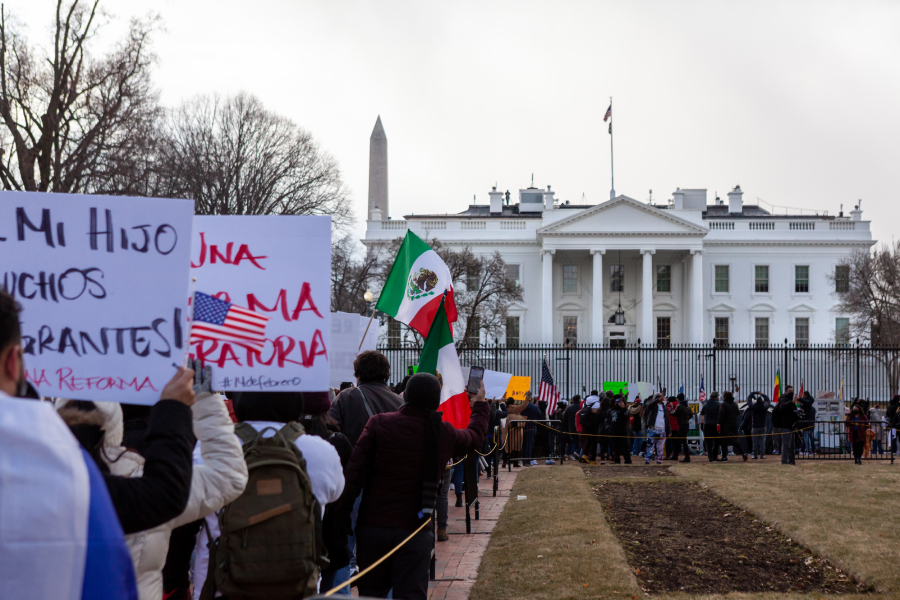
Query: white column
[[597, 298], [696, 296], [547, 298], [647, 298]]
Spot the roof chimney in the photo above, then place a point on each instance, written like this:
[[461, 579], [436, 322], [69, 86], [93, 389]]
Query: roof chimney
[[375, 214], [496, 201], [856, 213], [678, 199], [548, 199], [736, 201]]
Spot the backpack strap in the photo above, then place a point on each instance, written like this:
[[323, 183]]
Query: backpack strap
[[291, 431], [366, 403], [246, 432]]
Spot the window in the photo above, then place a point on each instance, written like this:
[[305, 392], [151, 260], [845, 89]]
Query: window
[[570, 279], [616, 339], [512, 332], [570, 331], [663, 332], [393, 334], [801, 279], [722, 283], [762, 332], [664, 278], [617, 278], [473, 278], [761, 273], [721, 332], [473, 335], [801, 332], [842, 331], [514, 274], [842, 279]]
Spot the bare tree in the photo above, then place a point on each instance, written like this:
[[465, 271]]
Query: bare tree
[[72, 122], [234, 157], [869, 294], [350, 275]]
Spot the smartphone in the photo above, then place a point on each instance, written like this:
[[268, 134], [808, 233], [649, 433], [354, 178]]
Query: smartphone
[[476, 374]]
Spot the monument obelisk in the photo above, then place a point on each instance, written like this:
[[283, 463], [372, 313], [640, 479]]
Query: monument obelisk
[[378, 171]]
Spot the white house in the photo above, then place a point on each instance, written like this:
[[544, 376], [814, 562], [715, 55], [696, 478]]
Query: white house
[[685, 271]]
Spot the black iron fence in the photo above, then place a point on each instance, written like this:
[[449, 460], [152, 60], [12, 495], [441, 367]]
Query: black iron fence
[[863, 371]]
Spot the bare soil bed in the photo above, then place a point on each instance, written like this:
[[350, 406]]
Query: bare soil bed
[[680, 538], [615, 471]]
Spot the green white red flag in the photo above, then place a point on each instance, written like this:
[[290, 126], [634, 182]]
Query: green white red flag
[[439, 358], [416, 285]]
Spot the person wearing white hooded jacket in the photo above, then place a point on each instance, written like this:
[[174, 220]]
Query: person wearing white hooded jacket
[[219, 480]]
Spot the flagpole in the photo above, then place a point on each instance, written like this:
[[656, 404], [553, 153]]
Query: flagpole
[[612, 191], [187, 353], [363, 338]]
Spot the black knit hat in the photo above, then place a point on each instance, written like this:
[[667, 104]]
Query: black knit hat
[[423, 390]]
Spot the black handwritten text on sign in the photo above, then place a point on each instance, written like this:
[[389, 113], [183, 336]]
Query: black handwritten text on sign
[[103, 283]]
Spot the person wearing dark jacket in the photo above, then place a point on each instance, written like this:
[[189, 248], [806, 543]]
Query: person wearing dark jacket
[[759, 413], [710, 414], [588, 417], [571, 428], [784, 419], [672, 404], [682, 414], [605, 403], [617, 429], [532, 413], [655, 420], [728, 427], [857, 424], [396, 463], [807, 424], [892, 418], [352, 408]]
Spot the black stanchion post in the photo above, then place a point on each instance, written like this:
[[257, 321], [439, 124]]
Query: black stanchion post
[[496, 459], [470, 485], [432, 569]]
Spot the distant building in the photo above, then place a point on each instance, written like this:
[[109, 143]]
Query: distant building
[[682, 272]]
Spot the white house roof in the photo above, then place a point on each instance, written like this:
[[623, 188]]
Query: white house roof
[[623, 216]]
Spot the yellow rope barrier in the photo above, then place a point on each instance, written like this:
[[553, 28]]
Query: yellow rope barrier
[[379, 561]]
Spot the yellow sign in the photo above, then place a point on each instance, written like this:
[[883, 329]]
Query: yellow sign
[[517, 387]]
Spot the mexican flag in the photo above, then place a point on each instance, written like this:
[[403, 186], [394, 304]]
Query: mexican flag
[[439, 358], [776, 393], [415, 286]]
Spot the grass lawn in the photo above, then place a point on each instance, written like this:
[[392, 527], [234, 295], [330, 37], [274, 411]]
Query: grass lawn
[[848, 513], [558, 540]]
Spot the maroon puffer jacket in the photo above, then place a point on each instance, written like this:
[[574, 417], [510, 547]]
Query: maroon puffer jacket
[[388, 461]]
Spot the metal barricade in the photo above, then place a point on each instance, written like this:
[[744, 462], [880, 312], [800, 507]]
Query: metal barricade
[[830, 440]]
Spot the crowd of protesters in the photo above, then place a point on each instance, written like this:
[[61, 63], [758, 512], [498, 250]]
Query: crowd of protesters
[[609, 427], [263, 494]]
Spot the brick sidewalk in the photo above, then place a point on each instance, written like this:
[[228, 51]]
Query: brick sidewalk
[[458, 558]]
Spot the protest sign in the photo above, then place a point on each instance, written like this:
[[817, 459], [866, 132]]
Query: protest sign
[[616, 387], [103, 284], [345, 336], [517, 387], [279, 267]]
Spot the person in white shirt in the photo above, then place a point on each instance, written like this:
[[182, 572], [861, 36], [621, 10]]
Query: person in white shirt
[[272, 410]]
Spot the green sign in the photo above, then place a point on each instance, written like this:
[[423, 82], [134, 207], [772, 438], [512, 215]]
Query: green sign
[[616, 387]]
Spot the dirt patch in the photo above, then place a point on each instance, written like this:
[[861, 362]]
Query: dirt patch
[[679, 538], [613, 471]]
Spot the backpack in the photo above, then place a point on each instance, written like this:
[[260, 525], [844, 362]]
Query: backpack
[[271, 536]]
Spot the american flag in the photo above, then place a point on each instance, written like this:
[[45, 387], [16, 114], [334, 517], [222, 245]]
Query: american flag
[[222, 321], [548, 391], [608, 113], [702, 396]]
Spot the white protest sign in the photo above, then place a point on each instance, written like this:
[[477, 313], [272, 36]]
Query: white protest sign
[[103, 284], [345, 335], [495, 383], [277, 266]]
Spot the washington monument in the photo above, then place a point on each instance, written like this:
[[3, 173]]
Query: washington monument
[[378, 171]]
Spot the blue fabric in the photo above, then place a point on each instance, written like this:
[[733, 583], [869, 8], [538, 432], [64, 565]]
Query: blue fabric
[[108, 572]]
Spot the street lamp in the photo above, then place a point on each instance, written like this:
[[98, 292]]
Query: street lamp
[[368, 297]]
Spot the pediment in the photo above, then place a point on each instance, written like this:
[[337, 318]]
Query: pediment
[[722, 307], [623, 216], [762, 307], [801, 308]]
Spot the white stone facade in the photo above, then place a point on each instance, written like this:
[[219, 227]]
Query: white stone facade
[[725, 270]]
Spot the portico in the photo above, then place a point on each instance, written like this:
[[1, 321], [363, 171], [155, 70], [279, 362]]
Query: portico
[[606, 301]]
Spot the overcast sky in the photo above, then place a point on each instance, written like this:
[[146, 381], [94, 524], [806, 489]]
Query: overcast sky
[[795, 101]]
